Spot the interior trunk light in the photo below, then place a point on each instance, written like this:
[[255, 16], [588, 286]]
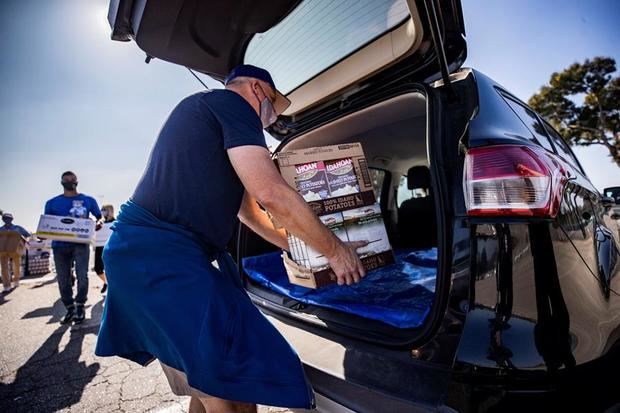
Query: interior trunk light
[[512, 180]]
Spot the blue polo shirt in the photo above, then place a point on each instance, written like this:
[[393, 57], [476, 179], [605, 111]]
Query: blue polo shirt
[[79, 206], [189, 180]]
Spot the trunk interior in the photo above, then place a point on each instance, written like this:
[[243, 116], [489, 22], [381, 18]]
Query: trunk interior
[[391, 304]]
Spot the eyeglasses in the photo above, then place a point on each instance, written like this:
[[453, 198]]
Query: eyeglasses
[[271, 97]]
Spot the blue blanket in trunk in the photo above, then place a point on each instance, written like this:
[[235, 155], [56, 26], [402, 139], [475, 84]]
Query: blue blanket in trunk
[[400, 294]]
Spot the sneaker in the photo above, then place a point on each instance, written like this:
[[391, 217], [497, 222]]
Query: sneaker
[[69, 316], [104, 288], [80, 315]]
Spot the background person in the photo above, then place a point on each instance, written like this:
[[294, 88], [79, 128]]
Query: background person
[[107, 211], [15, 257], [72, 204]]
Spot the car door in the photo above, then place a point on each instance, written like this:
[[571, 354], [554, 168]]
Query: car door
[[594, 217]]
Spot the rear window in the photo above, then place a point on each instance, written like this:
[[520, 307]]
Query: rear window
[[529, 118], [562, 147], [320, 33]]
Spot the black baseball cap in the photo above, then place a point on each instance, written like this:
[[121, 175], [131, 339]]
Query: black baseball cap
[[281, 103]]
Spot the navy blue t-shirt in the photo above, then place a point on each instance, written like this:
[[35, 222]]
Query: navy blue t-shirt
[[189, 180]]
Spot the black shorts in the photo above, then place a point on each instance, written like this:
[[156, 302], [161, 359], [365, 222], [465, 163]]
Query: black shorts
[[99, 260]]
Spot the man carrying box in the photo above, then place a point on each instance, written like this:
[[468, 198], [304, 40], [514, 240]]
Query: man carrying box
[[66, 254], [14, 255]]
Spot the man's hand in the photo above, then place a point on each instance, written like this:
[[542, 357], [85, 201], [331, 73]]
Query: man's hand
[[346, 264], [98, 225]]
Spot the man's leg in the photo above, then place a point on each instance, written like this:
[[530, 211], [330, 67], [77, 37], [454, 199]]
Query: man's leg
[[215, 405], [17, 268], [196, 406], [62, 259], [81, 254], [6, 276], [99, 268]]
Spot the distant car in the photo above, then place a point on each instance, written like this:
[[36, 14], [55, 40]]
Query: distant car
[[613, 193], [521, 311]]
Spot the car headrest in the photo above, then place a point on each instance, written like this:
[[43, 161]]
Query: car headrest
[[419, 177]]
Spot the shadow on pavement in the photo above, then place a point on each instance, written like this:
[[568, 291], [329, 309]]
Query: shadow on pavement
[[3, 296], [44, 283], [56, 312], [53, 378]]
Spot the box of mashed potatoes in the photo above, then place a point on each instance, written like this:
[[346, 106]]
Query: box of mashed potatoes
[[336, 183]]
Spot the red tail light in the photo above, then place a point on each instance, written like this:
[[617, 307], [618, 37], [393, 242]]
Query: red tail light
[[511, 180]]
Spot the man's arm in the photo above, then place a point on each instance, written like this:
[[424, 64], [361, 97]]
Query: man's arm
[[257, 220], [262, 181], [94, 209], [23, 231], [48, 209]]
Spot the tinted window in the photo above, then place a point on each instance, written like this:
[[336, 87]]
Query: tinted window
[[318, 34], [613, 193], [531, 121], [561, 146], [378, 177]]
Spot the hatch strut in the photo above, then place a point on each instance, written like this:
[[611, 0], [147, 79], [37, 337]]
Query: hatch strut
[[197, 78], [433, 18]]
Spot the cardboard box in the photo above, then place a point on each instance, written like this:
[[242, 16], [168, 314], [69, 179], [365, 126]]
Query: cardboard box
[[311, 269], [102, 236], [35, 244], [336, 183], [312, 258], [12, 241], [366, 224], [308, 278], [69, 229], [311, 181], [342, 176]]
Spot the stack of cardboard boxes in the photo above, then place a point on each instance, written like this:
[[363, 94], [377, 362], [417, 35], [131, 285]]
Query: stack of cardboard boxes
[[39, 252], [336, 183]]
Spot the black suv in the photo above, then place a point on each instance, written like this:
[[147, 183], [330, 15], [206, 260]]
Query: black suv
[[505, 295]]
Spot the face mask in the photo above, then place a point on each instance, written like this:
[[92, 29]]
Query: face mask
[[267, 113], [69, 186], [7, 220]]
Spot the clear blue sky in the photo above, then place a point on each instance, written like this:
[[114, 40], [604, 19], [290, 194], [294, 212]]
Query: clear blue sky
[[73, 99]]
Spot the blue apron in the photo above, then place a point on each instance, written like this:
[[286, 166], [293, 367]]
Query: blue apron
[[167, 301]]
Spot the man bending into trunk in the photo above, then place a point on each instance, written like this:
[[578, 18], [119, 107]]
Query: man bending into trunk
[[166, 300]]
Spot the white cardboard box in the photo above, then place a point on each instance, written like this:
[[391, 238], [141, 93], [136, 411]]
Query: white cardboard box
[[69, 229], [366, 224], [102, 236], [311, 258]]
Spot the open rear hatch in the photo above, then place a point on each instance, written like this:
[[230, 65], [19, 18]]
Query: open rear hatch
[[315, 50]]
